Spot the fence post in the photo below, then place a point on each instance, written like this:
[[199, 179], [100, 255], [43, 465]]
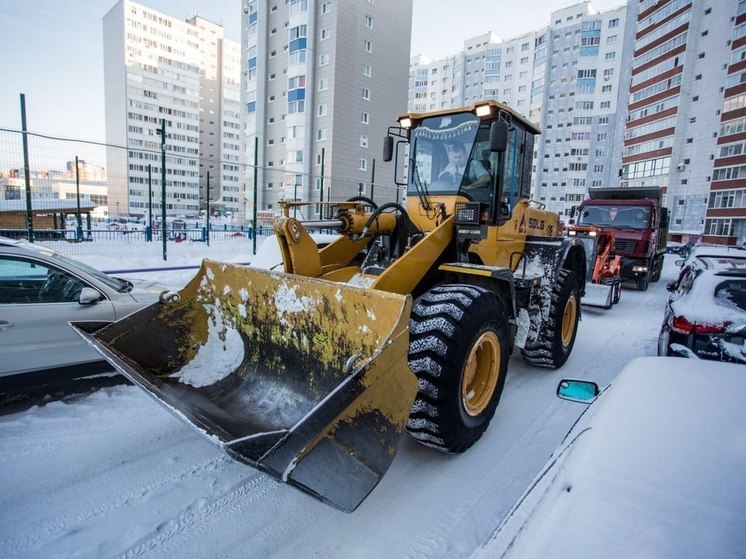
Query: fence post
[[79, 229], [207, 209], [256, 178], [27, 172], [162, 132], [149, 228]]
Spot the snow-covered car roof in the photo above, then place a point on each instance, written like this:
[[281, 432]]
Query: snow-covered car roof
[[653, 469], [714, 250], [702, 304]]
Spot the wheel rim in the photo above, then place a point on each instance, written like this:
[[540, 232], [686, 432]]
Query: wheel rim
[[568, 320], [481, 373]]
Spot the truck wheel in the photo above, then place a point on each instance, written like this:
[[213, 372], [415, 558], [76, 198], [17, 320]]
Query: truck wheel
[[658, 269], [459, 349], [553, 344]]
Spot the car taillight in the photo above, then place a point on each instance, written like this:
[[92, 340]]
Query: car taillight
[[683, 326]]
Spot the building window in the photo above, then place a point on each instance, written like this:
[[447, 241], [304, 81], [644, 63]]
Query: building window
[[326, 7], [363, 165], [366, 94], [363, 141], [321, 134], [323, 59], [321, 110], [369, 22], [367, 70], [365, 118], [323, 84], [368, 46]]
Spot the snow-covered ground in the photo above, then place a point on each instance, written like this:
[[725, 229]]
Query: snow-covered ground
[[113, 474]]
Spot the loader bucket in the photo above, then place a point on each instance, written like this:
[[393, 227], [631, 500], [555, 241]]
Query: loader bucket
[[597, 295], [304, 379]]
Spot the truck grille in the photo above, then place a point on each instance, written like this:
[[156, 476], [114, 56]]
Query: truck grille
[[624, 246]]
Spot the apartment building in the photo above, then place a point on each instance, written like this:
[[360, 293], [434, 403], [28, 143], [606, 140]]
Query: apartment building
[[679, 71], [321, 83], [584, 67], [159, 67], [725, 219], [568, 77]]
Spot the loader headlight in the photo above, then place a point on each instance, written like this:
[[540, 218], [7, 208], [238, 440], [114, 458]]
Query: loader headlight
[[483, 110], [405, 122], [591, 233], [572, 233], [639, 268]]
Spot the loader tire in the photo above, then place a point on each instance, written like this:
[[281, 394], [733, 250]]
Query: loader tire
[[553, 344], [617, 292], [459, 349]]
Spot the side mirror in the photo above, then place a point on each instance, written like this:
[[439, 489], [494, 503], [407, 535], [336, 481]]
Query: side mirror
[[89, 296], [679, 262], [583, 391], [573, 211], [388, 148], [498, 136], [671, 286]]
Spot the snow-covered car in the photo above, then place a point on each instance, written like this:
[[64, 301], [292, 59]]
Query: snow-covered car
[[653, 468], [706, 311], [41, 291], [709, 250]]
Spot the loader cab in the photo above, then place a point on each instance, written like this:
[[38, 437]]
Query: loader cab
[[480, 154]]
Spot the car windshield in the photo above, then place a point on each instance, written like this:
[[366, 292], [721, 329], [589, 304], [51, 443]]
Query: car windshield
[[437, 142], [633, 217], [115, 283]]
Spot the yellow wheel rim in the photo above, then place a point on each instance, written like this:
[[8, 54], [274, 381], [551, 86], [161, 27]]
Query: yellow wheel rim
[[568, 320], [481, 373]]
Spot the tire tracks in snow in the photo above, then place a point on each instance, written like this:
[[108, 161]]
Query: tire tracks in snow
[[237, 497], [64, 524]]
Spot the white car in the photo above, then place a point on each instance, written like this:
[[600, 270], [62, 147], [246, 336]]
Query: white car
[[654, 468], [41, 291]]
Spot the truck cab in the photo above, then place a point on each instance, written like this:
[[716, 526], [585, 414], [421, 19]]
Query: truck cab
[[640, 227]]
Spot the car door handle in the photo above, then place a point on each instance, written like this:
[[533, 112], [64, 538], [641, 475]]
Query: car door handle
[[4, 325]]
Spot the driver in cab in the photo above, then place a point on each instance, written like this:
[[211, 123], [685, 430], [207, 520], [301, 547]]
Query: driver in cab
[[474, 175]]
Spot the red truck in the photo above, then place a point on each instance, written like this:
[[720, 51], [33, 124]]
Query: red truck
[[640, 225]]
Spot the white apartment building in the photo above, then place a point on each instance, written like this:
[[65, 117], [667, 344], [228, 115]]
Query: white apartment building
[[321, 83], [158, 67], [565, 77], [583, 63]]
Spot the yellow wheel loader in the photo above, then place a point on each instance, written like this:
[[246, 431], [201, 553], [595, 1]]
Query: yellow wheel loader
[[405, 322]]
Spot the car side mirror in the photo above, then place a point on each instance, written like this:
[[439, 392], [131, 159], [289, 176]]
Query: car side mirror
[[89, 296], [583, 391], [679, 262], [498, 136], [671, 286]]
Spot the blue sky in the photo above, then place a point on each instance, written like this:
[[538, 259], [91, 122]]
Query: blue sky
[[52, 49]]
